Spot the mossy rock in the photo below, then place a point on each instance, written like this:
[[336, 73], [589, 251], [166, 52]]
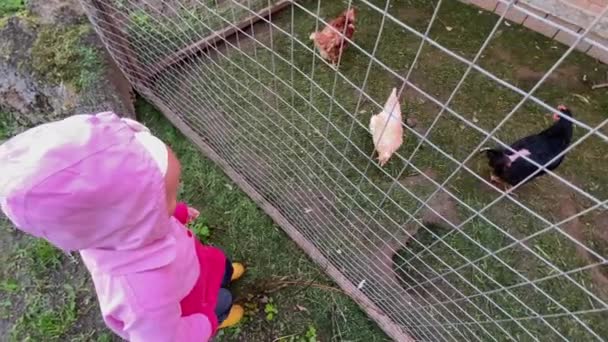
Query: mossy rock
[[60, 54], [50, 71], [57, 12]]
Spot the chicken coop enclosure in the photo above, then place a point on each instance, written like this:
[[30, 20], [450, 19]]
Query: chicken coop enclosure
[[427, 244]]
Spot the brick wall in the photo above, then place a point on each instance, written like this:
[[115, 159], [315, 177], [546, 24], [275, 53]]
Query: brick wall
[[571, 15]]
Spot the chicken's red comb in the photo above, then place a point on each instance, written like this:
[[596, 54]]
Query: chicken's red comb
[[350, 13]]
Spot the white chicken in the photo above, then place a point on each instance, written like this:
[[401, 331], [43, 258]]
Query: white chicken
[[387, 139]]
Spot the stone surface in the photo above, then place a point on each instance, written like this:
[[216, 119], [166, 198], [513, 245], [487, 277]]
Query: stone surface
[[488, 5], [513, 14], [63, 12], [540, 26], [600, 53], [549, 17], [566, 37], [32, 98], [577, 12]]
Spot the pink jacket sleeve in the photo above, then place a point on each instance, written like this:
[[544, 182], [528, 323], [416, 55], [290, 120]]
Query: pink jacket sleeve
[[181, 213], [145, 306], [143, 313], [165, 324]]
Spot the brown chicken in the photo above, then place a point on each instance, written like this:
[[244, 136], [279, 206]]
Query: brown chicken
[[330, 41], [386, 129]]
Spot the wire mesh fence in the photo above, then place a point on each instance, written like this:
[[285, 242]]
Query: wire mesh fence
[[427, 244]]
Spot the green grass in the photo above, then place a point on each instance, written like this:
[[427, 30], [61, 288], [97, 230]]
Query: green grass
[[42, 255], [45, 320], [285, 146], [9, 7], [5, 129], [43, 292]]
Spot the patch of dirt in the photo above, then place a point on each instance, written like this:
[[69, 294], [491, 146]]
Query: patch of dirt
[[424, 109], [567, 77], [315, 204], [601, 234], [410, 15], [410, 95], [576, 229], [600, 220], [499, 54], [441, 203]]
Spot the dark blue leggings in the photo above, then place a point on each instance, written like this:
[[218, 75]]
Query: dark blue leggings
[[224, 297]]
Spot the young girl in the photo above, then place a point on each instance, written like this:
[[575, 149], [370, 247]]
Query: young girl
[[106, 187]]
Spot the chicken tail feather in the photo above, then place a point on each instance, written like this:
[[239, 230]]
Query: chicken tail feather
[[392, 105]]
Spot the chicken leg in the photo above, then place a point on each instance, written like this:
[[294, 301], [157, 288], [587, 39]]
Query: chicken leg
[[505, 187]]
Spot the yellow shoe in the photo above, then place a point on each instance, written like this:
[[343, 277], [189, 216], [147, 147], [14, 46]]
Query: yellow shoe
[[237, 271], [234, 317]]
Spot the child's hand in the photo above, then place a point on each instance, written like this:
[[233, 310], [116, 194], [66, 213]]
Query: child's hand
[[192, 214]]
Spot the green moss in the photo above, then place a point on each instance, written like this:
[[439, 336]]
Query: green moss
[[61, 55], [23, 16], [10, 7], [8, 126], [3, 22], [4, 129]]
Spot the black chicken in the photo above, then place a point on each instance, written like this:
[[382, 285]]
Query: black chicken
[[509, 168]]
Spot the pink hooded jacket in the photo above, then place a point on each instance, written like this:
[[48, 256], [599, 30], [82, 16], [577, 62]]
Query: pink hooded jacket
[[85, 183]]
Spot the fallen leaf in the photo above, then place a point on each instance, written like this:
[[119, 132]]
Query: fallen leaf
[[301, 308], [449, 28], [582, 98]]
